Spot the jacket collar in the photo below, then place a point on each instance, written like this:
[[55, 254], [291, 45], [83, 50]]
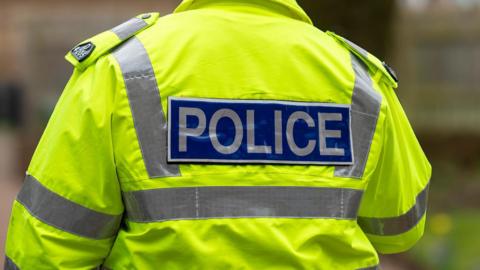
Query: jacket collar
[[290, 8]]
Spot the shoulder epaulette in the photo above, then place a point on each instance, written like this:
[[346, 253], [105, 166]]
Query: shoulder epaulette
[[88, 51], [373, 63]]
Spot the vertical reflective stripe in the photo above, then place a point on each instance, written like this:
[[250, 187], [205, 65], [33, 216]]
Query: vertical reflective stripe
[[359, 49], [129, 28], [145, 104], [400, 224], [9, 264], [241, 202], [64, 214], [365, 109]]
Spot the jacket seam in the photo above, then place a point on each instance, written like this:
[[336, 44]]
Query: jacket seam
[[207, 174]]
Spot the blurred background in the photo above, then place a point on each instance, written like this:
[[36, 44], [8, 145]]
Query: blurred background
[[434, 45]]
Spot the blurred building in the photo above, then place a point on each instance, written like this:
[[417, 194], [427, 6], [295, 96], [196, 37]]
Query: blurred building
[[437, 56], [434, 46], [37, 34], [35, 37]]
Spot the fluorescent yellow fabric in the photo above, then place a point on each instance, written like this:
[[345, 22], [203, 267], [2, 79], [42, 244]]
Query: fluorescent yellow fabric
[[268, 49], [373, 63], [73, 159], [401, 174], [260, 243], [388, 244], [32, 244], [105, 42]]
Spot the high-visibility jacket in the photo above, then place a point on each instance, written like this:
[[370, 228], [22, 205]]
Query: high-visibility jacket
[[148, 162]]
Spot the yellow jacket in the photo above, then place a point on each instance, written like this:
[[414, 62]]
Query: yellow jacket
[[227, 135]]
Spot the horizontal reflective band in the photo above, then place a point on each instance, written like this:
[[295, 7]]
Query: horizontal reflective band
[[64, 214], [9, 264], [129, 28], [258, 131], [241, 201], [399, 224]]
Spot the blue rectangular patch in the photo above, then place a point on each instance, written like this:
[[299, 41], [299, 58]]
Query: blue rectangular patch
[[258, 131]]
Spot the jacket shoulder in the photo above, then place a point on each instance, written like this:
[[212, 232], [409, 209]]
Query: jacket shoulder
[[88, 51], [375, 65]]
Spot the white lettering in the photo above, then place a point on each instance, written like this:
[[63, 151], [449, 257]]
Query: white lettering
[[278, 133], [324, 133], [251, 147], [299, 151], [212, 129], [183, 131]]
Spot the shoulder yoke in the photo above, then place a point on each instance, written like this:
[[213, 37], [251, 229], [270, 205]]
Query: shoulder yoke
[[88, 51], [376, 67]]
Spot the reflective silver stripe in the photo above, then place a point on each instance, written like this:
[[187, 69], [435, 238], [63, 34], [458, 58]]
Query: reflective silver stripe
[[9, 264], [145, 104], [359, 49], [129, 28], [365, 109], [399, 224], [64, 214], [241, 201]]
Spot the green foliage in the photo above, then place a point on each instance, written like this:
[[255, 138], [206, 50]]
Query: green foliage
[[450, 241]]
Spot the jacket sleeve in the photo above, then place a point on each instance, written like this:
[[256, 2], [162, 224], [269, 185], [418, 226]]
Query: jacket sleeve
[[393, 209], [68, 211]]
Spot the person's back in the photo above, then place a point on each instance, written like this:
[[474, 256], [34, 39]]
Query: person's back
[[305, 121]]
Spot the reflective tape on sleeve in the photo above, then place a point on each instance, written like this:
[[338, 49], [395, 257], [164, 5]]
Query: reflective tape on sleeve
[[366, 104], [399, 224], [241, 202], [129, 28], [9, 264], [145, 104], [64, 214]]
